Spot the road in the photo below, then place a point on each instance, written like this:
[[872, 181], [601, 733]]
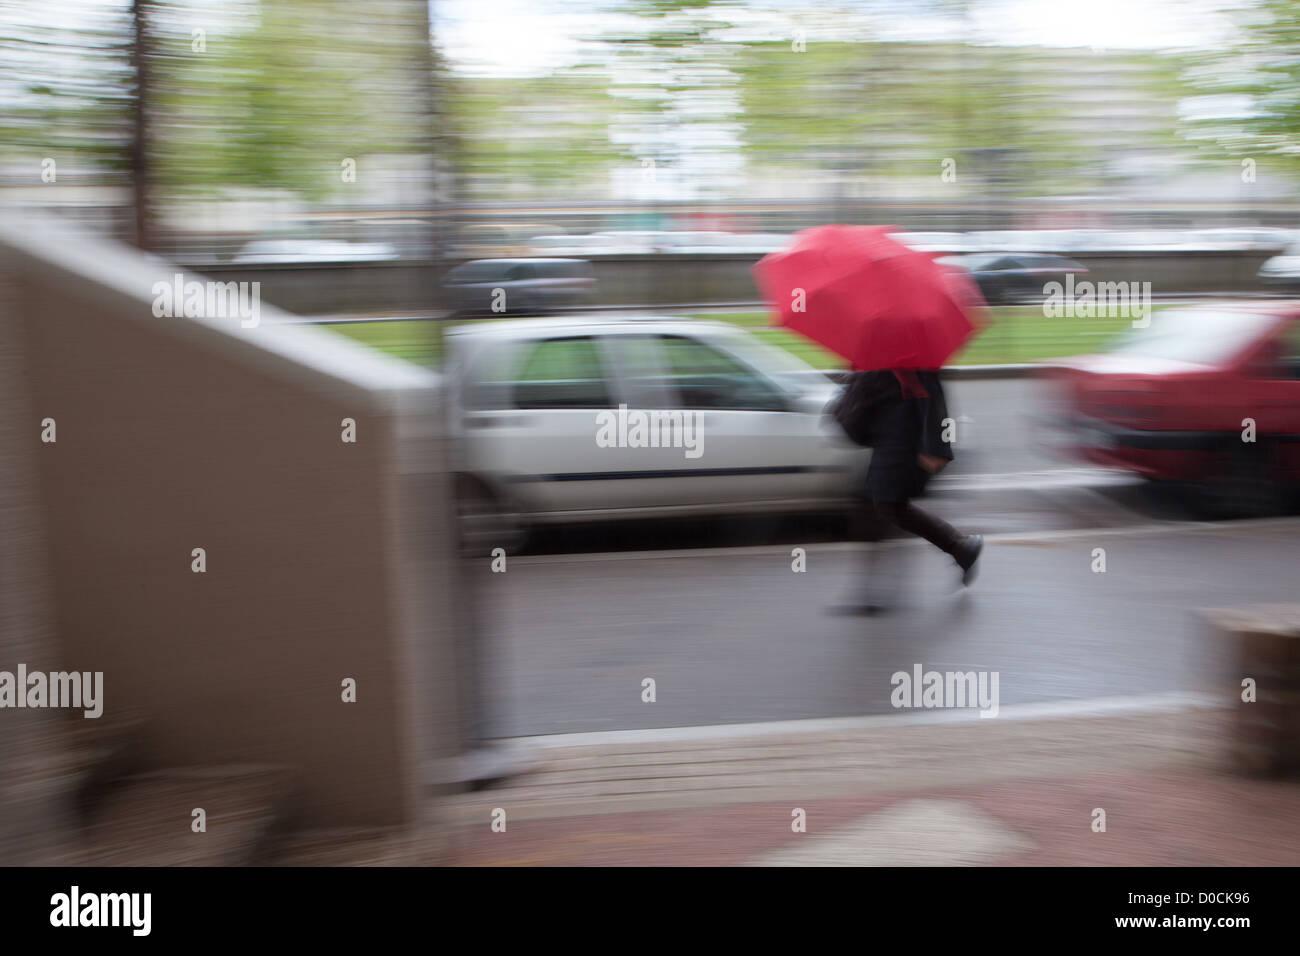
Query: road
[[715, 615], [735, 635]]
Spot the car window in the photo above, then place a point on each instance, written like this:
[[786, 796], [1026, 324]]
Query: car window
[[792, 374], [641, 370], [976, 263], [705, 377], [562, 373], [517, 272]]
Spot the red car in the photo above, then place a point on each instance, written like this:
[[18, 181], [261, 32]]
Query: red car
[[1181, 400]]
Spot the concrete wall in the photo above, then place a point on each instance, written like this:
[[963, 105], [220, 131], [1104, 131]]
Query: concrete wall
[[325, 560], [34, 800], [671, 280], [405, 285]]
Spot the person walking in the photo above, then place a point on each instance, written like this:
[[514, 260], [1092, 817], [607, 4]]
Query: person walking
[[901, 414], [897, 315]]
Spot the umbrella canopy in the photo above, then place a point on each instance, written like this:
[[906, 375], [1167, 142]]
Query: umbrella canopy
[[871, 299]]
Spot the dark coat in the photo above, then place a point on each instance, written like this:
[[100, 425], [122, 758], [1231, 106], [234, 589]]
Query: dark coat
[[900, 427]]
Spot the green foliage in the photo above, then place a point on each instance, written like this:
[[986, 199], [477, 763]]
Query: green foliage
[[67, 91], [891, 109], [524, 135], [281, 100], [1257, 81]]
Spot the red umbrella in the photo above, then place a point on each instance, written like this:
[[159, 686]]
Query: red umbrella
[[871, 299]]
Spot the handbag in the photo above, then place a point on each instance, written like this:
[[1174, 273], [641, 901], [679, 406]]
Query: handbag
[[854, 408]]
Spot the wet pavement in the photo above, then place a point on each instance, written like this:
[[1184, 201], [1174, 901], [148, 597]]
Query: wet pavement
[[736, 635]]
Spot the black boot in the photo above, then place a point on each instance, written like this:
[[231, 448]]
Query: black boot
[[967, 553]]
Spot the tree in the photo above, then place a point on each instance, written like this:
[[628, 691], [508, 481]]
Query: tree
[[523, 137], [67, 91], [286, 93], [672, 76], [1249, 90]]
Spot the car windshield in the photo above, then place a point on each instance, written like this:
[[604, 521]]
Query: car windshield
[[974, 263], [788, 371], [484, 270], [1201, 336]]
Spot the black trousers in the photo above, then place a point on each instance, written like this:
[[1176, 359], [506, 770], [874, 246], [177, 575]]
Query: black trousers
[[877, 520]]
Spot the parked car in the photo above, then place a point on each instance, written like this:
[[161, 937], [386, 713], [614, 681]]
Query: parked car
[[520, 286], [1176, 401], [529, 400], [1282, 272], [1014, 277]]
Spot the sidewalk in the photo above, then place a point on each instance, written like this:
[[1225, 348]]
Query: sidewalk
[[1001, 792]]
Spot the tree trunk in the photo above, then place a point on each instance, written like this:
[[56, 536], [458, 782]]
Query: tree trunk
[[143, 236]]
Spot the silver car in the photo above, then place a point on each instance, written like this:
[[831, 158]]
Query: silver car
[[603, 417], [1282, 272]]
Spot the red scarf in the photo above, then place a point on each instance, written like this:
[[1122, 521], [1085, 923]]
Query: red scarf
[[910, 384]]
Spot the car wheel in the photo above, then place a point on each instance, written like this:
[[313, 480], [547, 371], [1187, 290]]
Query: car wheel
[[1243, 483], [484, 521]]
